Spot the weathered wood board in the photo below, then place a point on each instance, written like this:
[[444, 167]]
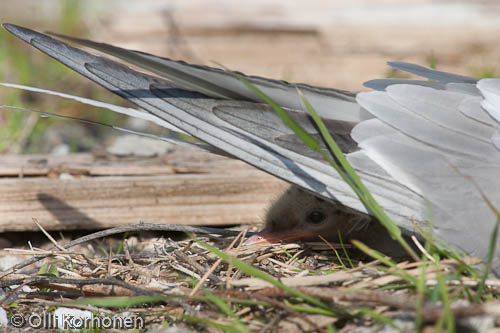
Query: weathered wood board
[[85, 191]]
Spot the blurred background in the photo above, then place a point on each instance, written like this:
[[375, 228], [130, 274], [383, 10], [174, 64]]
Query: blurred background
[[333, 43]]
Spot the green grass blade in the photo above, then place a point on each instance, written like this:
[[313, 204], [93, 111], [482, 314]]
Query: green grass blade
[[360, 189], [203, 321], [123, 302], [447, 316], [308, 309], [238, 325], [292, 124], [118, 301], [421, 292], [255, 272], [330, 329], [491, 248], [344, 250], [386, 261], [493, 238], [444, 250], [344, 169], [377, 316]]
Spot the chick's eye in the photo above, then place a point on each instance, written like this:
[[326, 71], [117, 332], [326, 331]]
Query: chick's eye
[[315, 217]]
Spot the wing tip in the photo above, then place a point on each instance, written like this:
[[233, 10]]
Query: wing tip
[[375, 84], [8, 26], [22, 33], [15, 29]]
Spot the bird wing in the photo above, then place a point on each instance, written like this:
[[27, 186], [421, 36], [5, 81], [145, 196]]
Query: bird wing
[[441, 154], [412, 149], [217, 83]]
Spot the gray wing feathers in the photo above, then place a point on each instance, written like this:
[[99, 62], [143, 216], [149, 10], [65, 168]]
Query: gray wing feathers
[[490, 89], [473, 110], [440, 107], [217, 83], [381, 84], [441, 145], [423, 130], [441, 181], [430, 73], [464, 88]]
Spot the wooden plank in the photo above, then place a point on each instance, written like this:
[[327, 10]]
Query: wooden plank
[[180, 160], [210, 190]]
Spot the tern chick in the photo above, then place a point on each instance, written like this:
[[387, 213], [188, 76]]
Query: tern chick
[[298, 215]]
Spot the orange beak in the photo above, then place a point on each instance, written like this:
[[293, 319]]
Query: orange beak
[[270, 237]]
